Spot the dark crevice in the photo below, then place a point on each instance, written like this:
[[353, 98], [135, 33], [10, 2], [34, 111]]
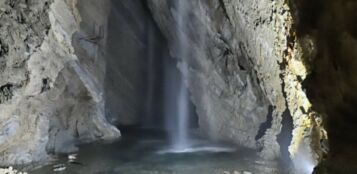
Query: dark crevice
[[241, 67], [266, 125], [4, 48], [221, 3], [7, 86], [285, 137], [306, 15], [6, 92], [256, 77], [45, 85]]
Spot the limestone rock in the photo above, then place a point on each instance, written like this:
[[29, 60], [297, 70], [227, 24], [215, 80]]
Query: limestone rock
[[244, 68], [224, 87], [50, 94], [242, 59]]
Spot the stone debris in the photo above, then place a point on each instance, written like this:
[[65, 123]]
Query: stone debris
[[59, 167], [237, 172], [72, 157], [10, 170]]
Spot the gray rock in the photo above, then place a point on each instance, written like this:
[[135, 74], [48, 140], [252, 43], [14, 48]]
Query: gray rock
[[50, 95], [241, 60], [224, 87]]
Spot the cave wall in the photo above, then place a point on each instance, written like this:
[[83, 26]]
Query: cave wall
[[224, 88], [327, 31], [244, 57], [51, 78], [249, 65], [134, 56]]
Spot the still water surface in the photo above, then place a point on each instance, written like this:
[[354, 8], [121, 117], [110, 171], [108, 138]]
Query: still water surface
[[141, 153]]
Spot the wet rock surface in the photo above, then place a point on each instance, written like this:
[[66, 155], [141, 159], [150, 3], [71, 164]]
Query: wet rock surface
[[223, 86], [243, 59]]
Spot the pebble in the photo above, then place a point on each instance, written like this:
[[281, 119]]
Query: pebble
[[72, 156], [246, 172], [59, 167]]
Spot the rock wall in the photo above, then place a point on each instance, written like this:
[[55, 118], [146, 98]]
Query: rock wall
[[244, 56], [134, 56], [52, 73], [327, 32], [223, 86]]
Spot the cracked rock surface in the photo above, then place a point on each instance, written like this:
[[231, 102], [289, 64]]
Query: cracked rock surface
[[244, 58], [50, 95]]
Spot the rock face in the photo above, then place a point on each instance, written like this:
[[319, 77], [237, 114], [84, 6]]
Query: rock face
[[133, 63], [244, 57], [327, 31], [125, 81], [219, 76], [52, 73]]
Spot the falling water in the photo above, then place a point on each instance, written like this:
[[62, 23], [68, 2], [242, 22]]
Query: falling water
[[304, 162], [177, 116], [181, 142]]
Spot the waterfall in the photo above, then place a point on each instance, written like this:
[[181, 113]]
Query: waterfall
[[177, 112], [182, 128], [181, 141]]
